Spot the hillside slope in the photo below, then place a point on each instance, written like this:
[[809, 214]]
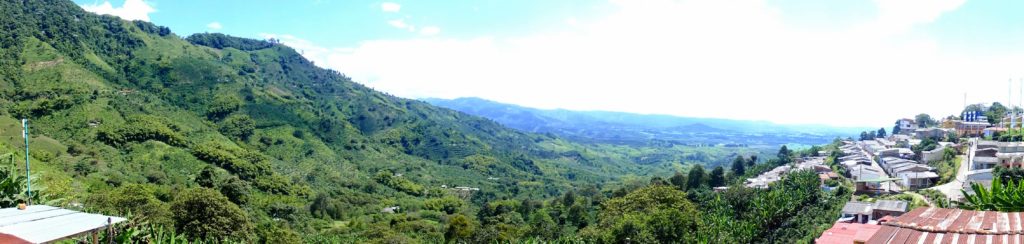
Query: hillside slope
[[116, 104]]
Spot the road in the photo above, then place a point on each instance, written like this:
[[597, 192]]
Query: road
[[952, 189]]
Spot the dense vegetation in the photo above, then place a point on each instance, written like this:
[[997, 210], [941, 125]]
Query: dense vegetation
[[216, 138], [128, 117], [1002, 196]]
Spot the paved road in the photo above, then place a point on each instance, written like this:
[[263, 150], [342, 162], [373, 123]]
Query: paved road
[[952, 189]]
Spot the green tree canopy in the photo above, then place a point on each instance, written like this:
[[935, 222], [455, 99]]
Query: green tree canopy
[[203, 213], [923, 121], [657, 214], [739, 166], [696, 177], [717, 177]]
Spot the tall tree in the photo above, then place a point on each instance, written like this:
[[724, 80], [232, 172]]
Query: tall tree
[[785, 155], [752, 161], [203, 213], [696, 177], [923, 121], [995, 112], [881, 132], [678, 180], [459, 229], [739, 166], [717, 177]]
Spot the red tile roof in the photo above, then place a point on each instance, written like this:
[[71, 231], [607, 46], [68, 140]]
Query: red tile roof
[[847, 233]]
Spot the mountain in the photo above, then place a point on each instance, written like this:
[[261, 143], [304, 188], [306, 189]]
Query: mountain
[[127, 116], [629, 128], [216, 138]]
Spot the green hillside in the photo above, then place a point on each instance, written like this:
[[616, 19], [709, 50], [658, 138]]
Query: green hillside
[[128, 117]]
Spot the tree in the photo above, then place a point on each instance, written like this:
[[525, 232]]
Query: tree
[[577, 215], [784, 155], [459, 229], [543, 226], [678, 180], [881, 132], [717, 177], [696, 177], [999, 197], [653, 214], [995, 112], [236, 190], [569, 198], [924, 121], [207, 177], [896, 129], [203, 213], [864, 136], [239, 126], [752, 161], [739, 166]]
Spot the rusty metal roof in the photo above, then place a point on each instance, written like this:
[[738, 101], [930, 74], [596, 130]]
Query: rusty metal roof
[[943, 225]]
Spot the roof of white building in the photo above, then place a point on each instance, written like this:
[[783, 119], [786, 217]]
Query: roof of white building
[[42, 224]]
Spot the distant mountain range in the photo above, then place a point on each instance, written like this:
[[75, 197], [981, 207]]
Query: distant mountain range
[[630, 128]]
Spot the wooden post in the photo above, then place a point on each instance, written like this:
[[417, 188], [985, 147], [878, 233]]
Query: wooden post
[[95, 237], [110, 231]]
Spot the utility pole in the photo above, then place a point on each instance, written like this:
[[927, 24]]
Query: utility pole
[[28, 169]]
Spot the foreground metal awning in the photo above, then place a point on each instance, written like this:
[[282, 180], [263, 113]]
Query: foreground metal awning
[[42, 224]]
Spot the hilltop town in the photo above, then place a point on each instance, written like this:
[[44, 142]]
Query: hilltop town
[[920, 183]]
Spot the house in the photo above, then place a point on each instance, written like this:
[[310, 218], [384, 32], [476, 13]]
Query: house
[[827, 176], [866, 212], [944, 225], [847, 233], [985, 158], [892, 208], [885, 143], [906, 125], [1011, 154], [993, 131], [933, 155], [971, 128], [918, 180], [863, 172], [391, 210], [933, 133], [856, 212]]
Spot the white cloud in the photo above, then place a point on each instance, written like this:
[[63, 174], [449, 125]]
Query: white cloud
[[734, 59], [390, 7], [430, 30], [214, 25], [130, 10]]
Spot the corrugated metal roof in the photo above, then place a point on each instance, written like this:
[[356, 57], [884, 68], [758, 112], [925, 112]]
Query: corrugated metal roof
[[857, 208], [41, 223], [891, 205], [943, 225]]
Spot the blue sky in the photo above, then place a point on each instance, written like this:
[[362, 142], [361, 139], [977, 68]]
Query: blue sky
[[855, 62]]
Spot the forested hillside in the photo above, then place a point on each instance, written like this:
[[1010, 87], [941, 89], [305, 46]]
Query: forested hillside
[[213, 137]]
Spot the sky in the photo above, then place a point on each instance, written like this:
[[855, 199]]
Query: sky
[[841, 63]]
